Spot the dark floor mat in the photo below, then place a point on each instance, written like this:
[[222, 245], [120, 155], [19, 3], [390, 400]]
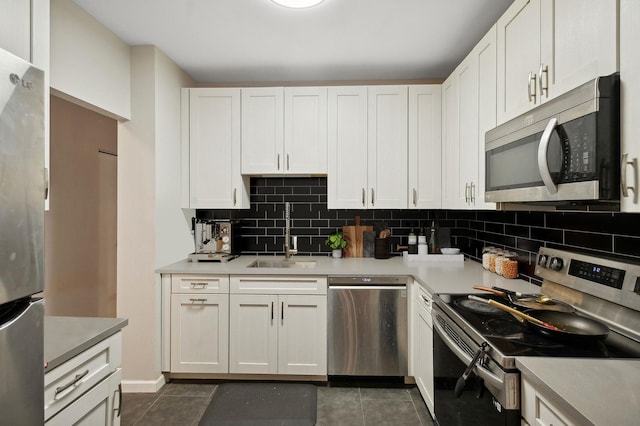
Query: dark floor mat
[[266, 404]]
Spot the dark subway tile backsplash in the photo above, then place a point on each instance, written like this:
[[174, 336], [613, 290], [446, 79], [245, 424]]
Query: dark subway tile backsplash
[[523, 232]]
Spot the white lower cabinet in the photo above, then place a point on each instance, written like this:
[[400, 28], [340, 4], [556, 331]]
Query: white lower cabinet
[[423, 345], [85, 390], [278, 325], [199, 324], [537, 409]]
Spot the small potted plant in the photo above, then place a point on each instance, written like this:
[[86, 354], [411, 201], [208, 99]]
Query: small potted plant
[[336, 242]]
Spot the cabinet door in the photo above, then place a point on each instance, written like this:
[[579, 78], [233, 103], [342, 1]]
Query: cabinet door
[[262, 130], [387, 147], [424, 350], [518, 58], [485, 51], [425, 142], [450, 164], [215, 179], [199, 333], [305, 130], [302, 335], [15, 28], [253, 343], [347, 147], [467, 107], [579, 43], [630, 103]]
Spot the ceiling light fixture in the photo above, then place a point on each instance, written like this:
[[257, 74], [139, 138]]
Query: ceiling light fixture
[[298, 4]]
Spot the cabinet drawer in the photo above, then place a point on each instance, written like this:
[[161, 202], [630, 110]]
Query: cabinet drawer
[[278, 284], [199, 283], [67, 382]]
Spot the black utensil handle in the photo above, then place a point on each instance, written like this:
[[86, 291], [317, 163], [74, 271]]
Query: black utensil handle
[[459, 387], [462, 380]]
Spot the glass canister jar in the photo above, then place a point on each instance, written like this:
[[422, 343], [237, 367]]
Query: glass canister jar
[[486, 253], [499, 260], [510, 265], [493, 254]]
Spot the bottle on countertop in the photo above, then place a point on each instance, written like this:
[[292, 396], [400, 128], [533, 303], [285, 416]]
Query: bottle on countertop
[[433, 247], [422, 242], [413, 242]]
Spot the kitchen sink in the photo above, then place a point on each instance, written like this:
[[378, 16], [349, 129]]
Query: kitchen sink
[[292, 264]]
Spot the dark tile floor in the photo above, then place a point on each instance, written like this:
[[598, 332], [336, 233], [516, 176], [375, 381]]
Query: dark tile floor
[[183, 403]]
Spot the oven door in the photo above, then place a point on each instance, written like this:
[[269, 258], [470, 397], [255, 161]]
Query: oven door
[[491, 395]]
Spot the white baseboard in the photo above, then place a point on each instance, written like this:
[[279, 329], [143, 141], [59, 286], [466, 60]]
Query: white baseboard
[[143, 386]]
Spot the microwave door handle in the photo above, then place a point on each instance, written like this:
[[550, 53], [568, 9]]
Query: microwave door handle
[[543, 165]]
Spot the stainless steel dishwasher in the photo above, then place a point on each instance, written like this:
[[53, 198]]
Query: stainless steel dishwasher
[[367, 328]]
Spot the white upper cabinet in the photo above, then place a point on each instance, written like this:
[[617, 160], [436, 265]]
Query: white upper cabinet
[[347, 148], [630, 104], [262, 130], [450, 145], [305, 130], [284, 131], [387, 146], [367, 147], [211, 117], [425, 121], [547, 47], [469, 110]]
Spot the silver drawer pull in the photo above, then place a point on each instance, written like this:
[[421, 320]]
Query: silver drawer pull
[[75, 380], [201, 285], [198, 300]]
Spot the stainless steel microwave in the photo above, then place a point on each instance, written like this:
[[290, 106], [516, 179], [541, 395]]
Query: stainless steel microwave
[[564, 152]]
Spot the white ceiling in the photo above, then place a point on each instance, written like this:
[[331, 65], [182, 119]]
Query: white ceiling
[[223, 41]]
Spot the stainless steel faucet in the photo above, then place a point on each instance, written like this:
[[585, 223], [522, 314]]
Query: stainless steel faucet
[[288, 251]]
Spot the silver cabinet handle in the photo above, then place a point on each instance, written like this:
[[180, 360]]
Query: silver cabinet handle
[[282, 311], [624, 186], [426, 300], [543, 165], [271, 311], [372, 198], [46, 183], [532, 78], [472, 193], [363, 196], [278, 162], [287, 161], [466, 192], [118, 409], [415, 197], [544, 88], [73, 381], [201, 285], [197, 300], [235, 199]]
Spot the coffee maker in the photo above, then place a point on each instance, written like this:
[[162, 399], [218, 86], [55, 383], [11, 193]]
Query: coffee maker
[[216, 240]]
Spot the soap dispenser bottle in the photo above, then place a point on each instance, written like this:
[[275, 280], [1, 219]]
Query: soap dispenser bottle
[[413, 242]]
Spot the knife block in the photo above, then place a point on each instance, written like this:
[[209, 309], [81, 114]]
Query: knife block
[[382, 248]]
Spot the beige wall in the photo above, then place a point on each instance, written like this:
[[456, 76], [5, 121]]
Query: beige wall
[[80, 224], [89, 64], [151, 226]]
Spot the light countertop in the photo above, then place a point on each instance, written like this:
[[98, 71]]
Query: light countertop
[[437, 276], [592, 391], [66, 337]]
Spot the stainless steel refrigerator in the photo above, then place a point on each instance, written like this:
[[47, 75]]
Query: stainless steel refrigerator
[[22, 186]]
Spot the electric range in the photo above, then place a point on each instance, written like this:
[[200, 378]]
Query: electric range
[[481, 342]]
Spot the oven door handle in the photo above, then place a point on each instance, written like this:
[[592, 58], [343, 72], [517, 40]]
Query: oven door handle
[[543, 164], [483, 373]]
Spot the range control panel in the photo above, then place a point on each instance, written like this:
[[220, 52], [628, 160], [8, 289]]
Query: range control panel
[[604, 275]]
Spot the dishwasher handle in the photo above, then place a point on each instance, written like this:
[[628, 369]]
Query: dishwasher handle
[[367, 287]]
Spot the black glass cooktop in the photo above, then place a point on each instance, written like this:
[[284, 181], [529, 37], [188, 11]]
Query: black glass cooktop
[[512, 337]]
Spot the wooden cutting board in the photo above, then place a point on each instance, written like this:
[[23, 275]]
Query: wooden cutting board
[[354, 235]]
